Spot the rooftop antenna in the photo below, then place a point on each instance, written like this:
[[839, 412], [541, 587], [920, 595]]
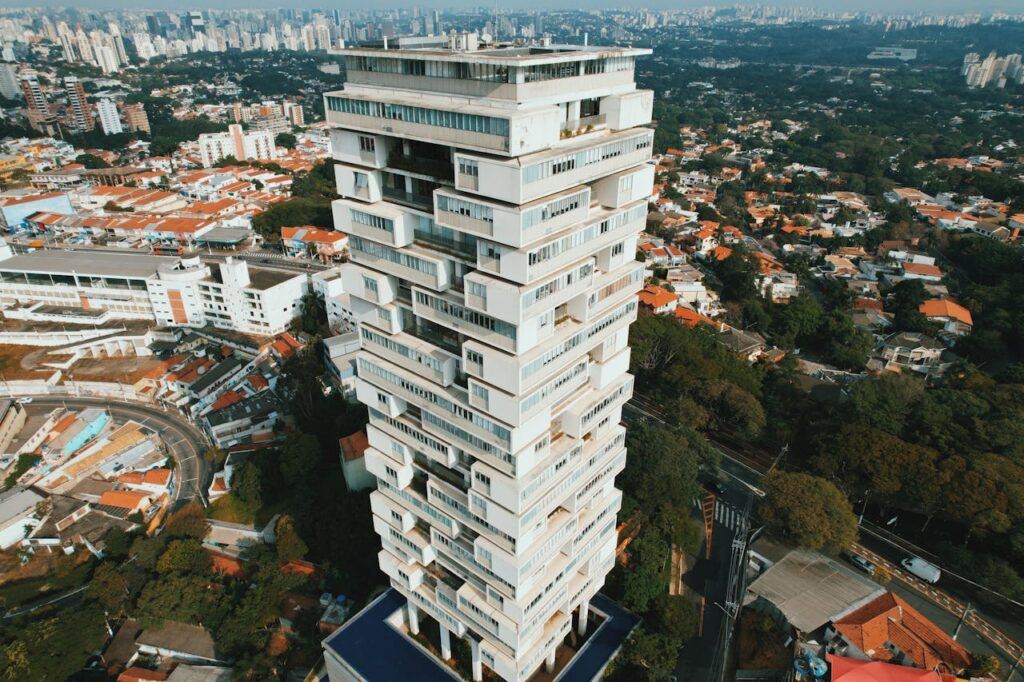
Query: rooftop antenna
[[586, 38], [385, 42]]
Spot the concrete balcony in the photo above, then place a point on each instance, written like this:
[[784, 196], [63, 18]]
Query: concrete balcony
[[628, 110], [424, 267], [625, 187], [390, 405], [358, 183], [387, 509], [413, 544], [515, 304], [386, 443], [451, 312], [348, 146], [418, 356], [600, 229], [388, 469], [380, 222], [367, 284], [584, 414], [558, 168], [408, 576]]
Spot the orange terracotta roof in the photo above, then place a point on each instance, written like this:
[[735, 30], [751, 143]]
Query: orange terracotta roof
[[353, 446], [126, 499], [655, 296], [946, 307], [257, 381], [922, 269], [890, 619], [721, 252], [845, 669], [691, 318], [226, 399]]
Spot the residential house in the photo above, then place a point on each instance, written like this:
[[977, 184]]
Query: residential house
[[17, 514], [955, 319], [889, 629], [910, 351], [658, 299], [353, 462], [843, 669]]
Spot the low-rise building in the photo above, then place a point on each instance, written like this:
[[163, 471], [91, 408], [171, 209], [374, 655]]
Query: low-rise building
[[171, 291], [17, 514], [955, 319]]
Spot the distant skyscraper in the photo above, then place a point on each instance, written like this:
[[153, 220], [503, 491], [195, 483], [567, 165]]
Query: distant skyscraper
[[40, 115], [9, 81], [242, 145], [79, 114], [110, 121]]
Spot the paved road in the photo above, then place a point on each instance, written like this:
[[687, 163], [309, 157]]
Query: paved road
[[184, 441]]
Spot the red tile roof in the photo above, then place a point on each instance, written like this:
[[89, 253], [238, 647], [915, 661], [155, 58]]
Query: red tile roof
[[353, 446], [655, 296], [946, 307], [854, 670], [889, 619]]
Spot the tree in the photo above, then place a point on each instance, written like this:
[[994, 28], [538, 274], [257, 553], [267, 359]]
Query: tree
[[299, 457], [287, 541], [905, 300], [91, 161], [663, 470], [184, 556], [313, 318], [676, 616], [645, 578], [187, 522], [246, 484], [109, 587], [286, 140], [807, 510], [117, 543], [654, 652], [146, 551], [983, 665]]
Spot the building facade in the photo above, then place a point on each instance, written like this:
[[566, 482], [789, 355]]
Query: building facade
[[493, 198], [79, 114], [242, 145], [110, 121], [173, 292], [136, 119]]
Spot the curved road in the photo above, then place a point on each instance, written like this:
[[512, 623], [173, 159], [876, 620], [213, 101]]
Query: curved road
[[184, 441]]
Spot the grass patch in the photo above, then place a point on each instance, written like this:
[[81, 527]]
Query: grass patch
[[229, 508], [24, 463], [15, 594]]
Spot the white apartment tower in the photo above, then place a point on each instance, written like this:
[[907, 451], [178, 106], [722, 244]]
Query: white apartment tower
[[241, 144], [110, 119], [493, 197]]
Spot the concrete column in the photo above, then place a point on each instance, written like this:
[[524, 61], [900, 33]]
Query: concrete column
[[446, 643], [549, 663], [414, 618], [584, 616], [478, 666]]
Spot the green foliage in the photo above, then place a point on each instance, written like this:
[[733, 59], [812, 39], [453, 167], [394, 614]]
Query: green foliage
[[286, 140], [288, 543], [808, 511], [53, 647], [292, 213], [184, 556], [647, 576], [663, 468], [695, 378], [299, 456], [983, 665], [677, 617], [653, 655], [246, 483], [313, 318]]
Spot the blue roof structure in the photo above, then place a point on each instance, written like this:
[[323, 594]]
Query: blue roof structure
[[375, 651]]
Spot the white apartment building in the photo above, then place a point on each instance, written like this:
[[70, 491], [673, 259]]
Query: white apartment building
[[493, 198], [110, 119], [241, 144], [171, 291]]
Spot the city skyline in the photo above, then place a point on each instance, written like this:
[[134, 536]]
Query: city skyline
[[895, 7]]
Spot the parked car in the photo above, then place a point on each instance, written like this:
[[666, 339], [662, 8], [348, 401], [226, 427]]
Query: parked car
[[23, 401], [922, 569], [715, 486], [860, 562]]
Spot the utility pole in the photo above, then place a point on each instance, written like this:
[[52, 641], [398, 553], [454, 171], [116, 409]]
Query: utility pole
[[963, 617], [779, 457]]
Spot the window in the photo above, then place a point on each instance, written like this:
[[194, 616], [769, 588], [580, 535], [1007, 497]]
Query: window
[[373, 221], [617, 249], [367, 144], [474, 357], [478, 289], [469, 167], [474, 123], [480, 392], [482, 477], [370, 284]]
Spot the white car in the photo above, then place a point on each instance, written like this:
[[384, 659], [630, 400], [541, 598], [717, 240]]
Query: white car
[[23, 401]]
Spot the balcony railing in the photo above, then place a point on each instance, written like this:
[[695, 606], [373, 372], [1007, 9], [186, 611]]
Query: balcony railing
[[421, 201], [583, 125], [436, 168]]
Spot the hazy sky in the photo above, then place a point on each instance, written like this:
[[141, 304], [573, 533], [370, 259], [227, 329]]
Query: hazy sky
[[889, 6]]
